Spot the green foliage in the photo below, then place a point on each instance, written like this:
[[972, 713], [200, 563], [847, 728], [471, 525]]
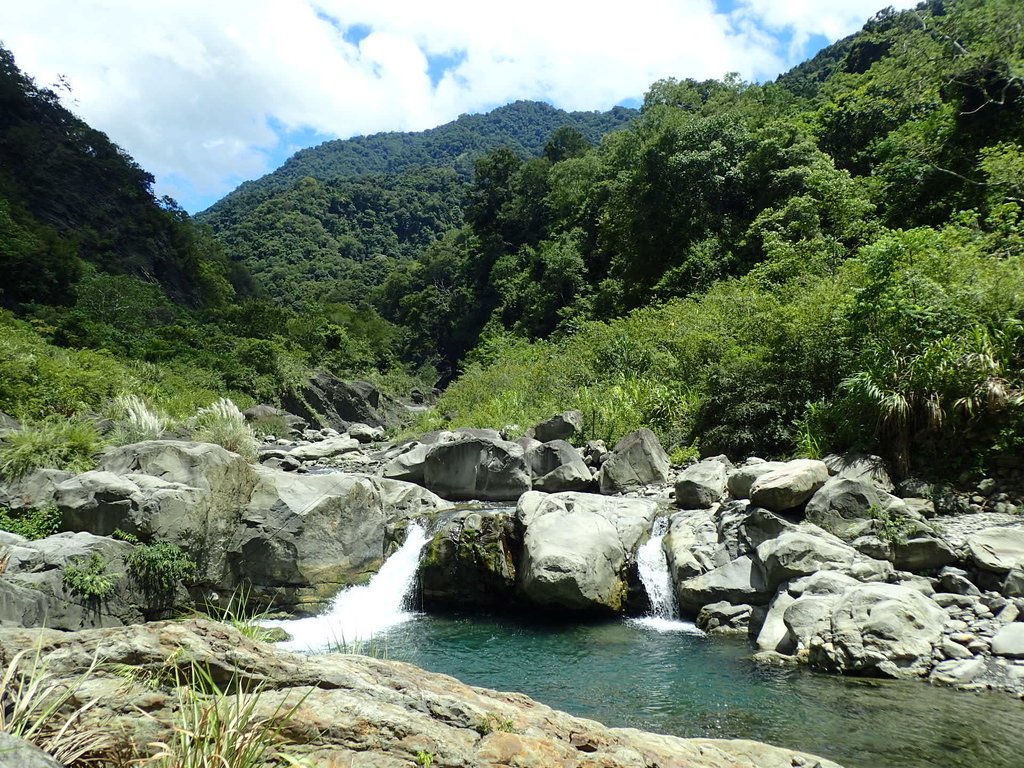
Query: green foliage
[[891, 527], [31, 522], [424, 758], [157, 569], [89, 580], [52, 443], [492, 722]]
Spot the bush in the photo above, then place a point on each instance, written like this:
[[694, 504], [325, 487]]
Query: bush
[[157, 569], [89, 580], [222, 423], [53, 443], [31, 522]]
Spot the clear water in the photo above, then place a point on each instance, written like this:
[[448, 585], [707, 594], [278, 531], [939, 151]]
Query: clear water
[[683, 683]]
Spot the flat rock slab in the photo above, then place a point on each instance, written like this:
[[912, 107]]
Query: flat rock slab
[[350, 708], [1009, 641]]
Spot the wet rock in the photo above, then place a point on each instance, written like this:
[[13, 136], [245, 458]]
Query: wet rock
[[724, 618], [575, 548]]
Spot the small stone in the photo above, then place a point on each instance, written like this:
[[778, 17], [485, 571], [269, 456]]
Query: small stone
[[964, 638], [955, 625], [953, 650]]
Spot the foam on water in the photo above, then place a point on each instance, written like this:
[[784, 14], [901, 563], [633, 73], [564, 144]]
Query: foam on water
[[652, 565], [358, 614]]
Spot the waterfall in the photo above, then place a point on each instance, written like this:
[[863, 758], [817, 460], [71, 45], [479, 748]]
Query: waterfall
[[652, 565], [359, 613]]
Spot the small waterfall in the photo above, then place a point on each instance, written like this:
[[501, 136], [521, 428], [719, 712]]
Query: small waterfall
[[359, 613], [652, 565]]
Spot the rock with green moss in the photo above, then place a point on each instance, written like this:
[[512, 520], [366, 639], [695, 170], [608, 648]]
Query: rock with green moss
[[470, 562]]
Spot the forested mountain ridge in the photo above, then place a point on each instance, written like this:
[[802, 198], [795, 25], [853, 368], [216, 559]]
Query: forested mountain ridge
[[523, 126], [333, 221]]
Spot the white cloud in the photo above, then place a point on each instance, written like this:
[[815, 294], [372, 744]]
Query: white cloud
[[194, 89]]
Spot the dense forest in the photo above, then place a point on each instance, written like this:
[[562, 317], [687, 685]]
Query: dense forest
[[830, 261]]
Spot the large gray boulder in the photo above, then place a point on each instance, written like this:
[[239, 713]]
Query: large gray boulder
[[997, 549], [741, 479], [557, 466], [1009, 641], [325, 449], [637, 459], [408, 466], [739, 581], [561, 426], [477, 468], [34, 591], [691, 545], [789, 486], [469, 563], [36, 489], [302, 538], [335, 403], [796, 553], [701, 485], [576, 547], [861, 466], [885, 630], [841, 503], [18, 753]]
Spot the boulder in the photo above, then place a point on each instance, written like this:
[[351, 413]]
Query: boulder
[[18, 753], [561, 426], [1009, 641], [789, 486], [701, 485], [884, 630], [997, 549], [637, 459], [922, 551], [809, 616], [324, 449], [725, 618], [841, 503], [796, 553], [357, 710], [956, 581], [691, 545], [34, 591], [327, 399], [774, 635], [1013, 585], [739, 581], [36, 489], [742, 478], [863, 467], [576, 547], [556, 466], [364, 433], [469, 562], [408, 466], [477, 468]]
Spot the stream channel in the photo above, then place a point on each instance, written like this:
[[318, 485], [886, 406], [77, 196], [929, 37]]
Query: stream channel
[[661, 674]]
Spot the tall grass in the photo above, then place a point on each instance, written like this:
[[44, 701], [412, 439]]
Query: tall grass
[[53, 443], [46, 712], [136, 421], [222, 423], [220, 729]]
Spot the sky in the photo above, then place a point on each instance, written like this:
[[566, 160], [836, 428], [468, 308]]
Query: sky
[[205, 94]]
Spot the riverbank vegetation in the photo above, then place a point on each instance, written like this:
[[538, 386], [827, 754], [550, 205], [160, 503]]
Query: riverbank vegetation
[[831, 261]]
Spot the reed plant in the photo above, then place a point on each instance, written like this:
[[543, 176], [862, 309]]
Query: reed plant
[[136, 420], [222, 423]]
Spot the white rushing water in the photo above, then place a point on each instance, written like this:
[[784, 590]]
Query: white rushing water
[[360, 613], [652, 565]]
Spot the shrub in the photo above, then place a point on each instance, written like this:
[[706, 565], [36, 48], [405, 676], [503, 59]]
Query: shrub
[[157, 569], [31, 522], [89, 579], [55, 443], [222, 423]]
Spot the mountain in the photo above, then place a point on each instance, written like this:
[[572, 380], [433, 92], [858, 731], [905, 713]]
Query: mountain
[[334, 220]]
